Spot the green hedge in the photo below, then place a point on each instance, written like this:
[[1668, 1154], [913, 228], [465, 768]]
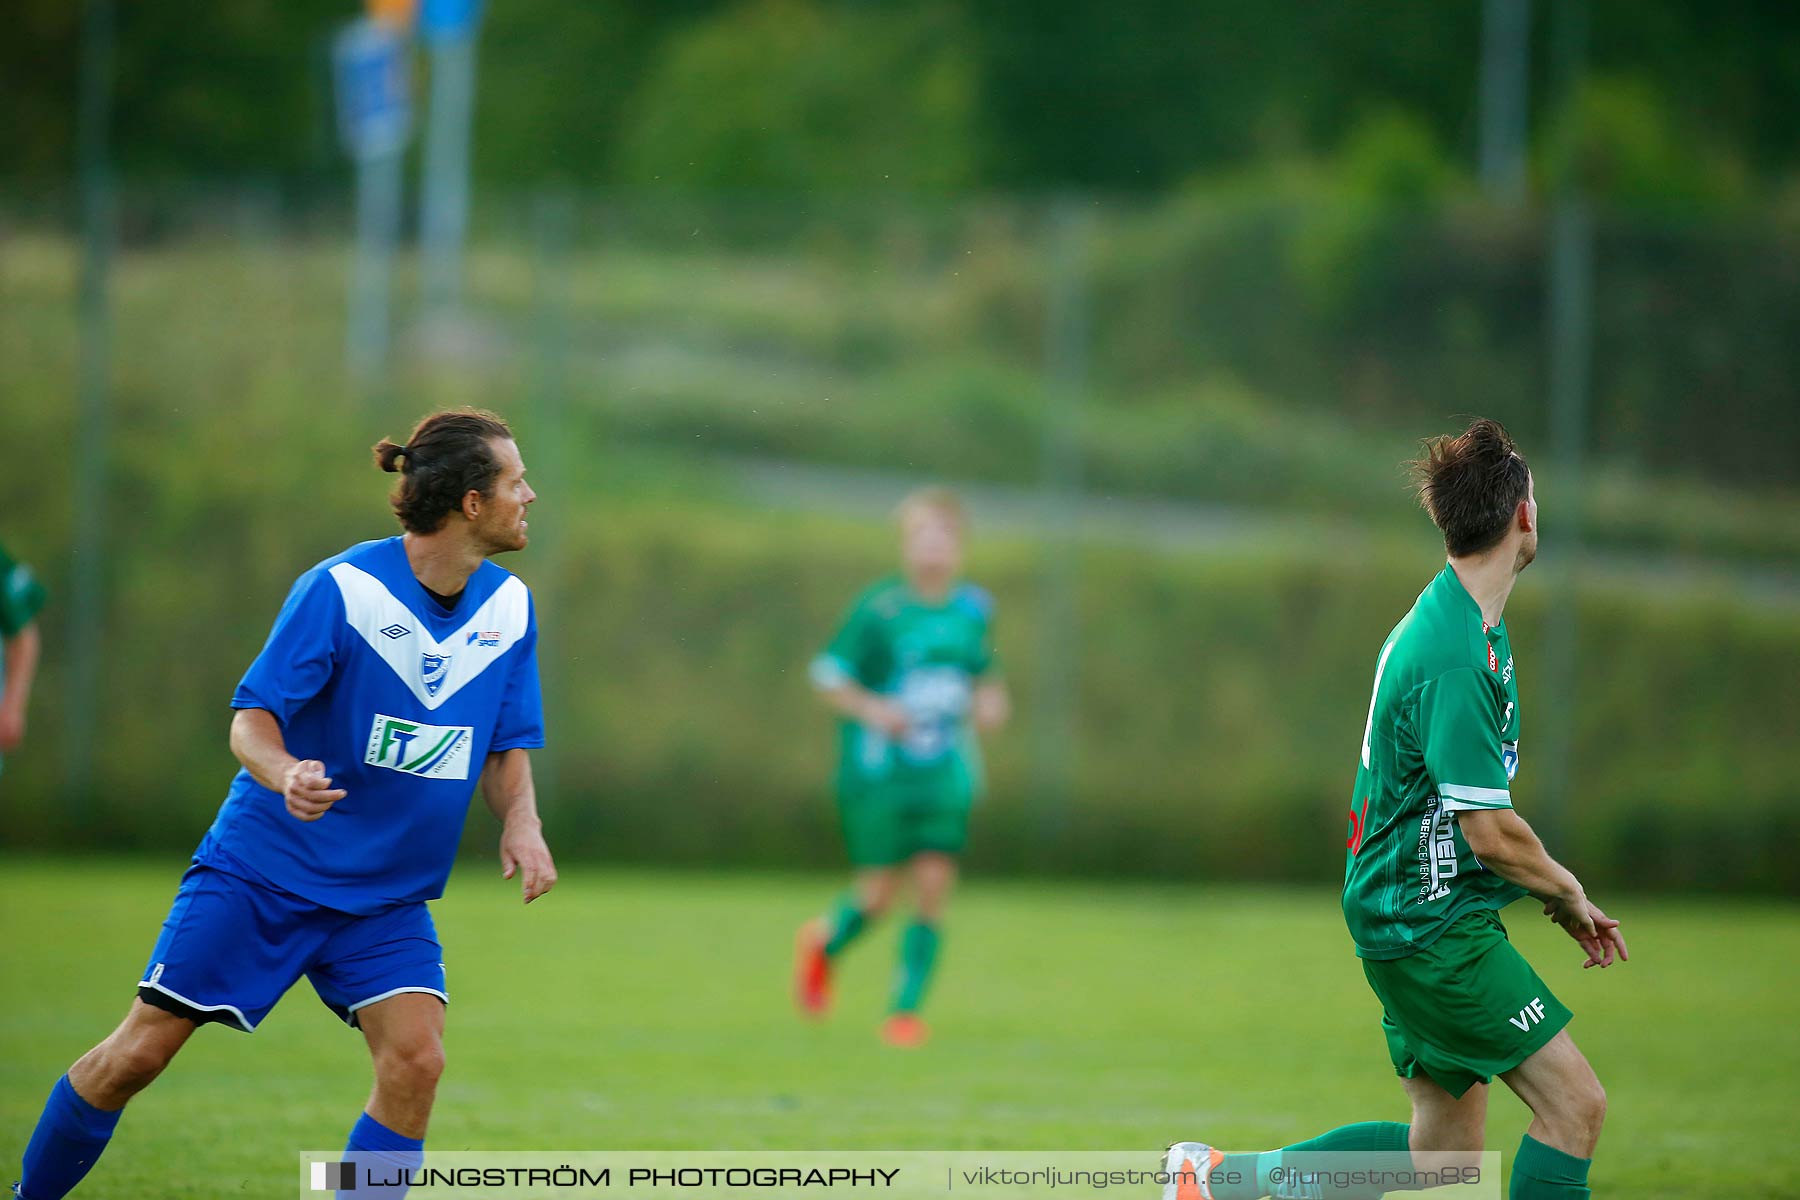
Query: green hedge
[[1217, 709]]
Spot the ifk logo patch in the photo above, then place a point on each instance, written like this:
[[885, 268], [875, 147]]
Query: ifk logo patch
[[412, 748], [333, 1177], [433, 668]]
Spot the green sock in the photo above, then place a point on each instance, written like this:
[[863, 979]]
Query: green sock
[[845, 921], [1388, 1138], [918, 953], [1543, 1172], [1241, 1167]]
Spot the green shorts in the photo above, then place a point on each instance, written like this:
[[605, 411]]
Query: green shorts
[[887, 822], [1465, 1008]]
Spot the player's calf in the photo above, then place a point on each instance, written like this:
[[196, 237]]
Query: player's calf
[[84, 1106]]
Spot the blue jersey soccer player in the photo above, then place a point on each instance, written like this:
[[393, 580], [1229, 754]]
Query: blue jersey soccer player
[[398, 672]]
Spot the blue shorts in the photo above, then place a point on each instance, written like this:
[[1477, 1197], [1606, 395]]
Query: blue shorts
[[231, 948]]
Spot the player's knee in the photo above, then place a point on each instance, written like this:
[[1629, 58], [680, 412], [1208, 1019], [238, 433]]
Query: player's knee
[[877, 896], [1580, 1113], [414, 1066], [1594, 1110]]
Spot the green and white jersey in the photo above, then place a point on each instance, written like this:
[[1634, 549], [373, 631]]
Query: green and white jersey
[[927, 658], [21, 595], [1442, 737]]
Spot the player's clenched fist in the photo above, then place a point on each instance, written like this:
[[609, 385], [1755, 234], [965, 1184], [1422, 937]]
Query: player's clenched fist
[[308, 791]]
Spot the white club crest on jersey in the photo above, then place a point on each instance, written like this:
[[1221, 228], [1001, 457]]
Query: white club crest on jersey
[[432, 670]]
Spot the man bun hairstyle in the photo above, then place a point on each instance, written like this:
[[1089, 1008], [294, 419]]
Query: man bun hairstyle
[[1472, 484], [449, 454]]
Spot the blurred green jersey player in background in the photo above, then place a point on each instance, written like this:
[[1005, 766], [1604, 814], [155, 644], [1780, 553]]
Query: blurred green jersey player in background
[[21, 598], [911, 675]]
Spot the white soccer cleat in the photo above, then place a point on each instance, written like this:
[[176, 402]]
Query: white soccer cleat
[[1189, 1165]]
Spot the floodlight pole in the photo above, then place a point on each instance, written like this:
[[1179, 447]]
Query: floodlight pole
[[379, 189], [444, 211], [1505, 78], [374, 120]]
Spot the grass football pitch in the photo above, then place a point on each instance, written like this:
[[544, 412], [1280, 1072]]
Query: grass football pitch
[[649, 1010]]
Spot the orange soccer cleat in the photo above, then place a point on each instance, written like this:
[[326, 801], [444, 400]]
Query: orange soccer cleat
[[1189, 1166], [812, 970], [905, 1030]]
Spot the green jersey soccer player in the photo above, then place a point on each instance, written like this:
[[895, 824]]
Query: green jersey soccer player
[[911, 676], [1434, 851], [21, 596]]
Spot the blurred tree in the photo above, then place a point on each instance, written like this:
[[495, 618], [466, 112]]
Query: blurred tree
[[1136, 96], [37, 87], [556, 79], [786, 95], [1618, 141], [993, 93]]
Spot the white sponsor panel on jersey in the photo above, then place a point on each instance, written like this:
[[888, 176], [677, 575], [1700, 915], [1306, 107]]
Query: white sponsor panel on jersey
[[1437, 852], [413, 748]]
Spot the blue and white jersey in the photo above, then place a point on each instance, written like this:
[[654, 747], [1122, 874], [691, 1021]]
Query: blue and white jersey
[[403, 701]]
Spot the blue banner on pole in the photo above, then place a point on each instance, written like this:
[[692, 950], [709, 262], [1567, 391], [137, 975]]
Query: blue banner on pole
[[374, 97], [447, 20]]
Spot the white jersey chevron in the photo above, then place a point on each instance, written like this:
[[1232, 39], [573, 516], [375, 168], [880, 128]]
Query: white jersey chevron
[[432, 670]]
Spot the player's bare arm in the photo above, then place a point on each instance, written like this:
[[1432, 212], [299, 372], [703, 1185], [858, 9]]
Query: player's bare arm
[[992, 705], [257, 742], [1506, 844], [506, 786], [15, 696]]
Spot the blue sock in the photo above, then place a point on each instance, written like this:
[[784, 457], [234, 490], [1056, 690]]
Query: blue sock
[[388, 1155], [66, 1143]]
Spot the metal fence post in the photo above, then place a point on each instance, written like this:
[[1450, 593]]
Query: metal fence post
[[1571, 348], [1067, 332], [87, 581]]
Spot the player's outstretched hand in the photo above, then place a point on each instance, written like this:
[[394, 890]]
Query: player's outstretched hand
[[1596, 933], [308, 791], [524, 852]]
